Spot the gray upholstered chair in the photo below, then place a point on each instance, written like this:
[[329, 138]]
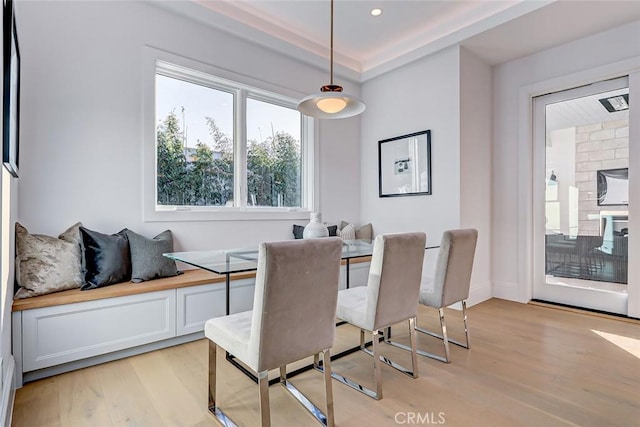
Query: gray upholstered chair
[[390, 297], [450, 284], [293, 317]]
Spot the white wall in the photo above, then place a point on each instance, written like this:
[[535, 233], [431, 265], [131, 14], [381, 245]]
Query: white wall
[[572, 64], [419, 96], [81, 141], [449, 93], [475, 165], [9, 208]]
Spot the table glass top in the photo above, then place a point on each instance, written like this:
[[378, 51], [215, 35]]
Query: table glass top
[[246, 259]]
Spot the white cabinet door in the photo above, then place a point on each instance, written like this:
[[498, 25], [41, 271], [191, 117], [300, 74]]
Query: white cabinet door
[[242, 295], [197, 304], [60, 334]]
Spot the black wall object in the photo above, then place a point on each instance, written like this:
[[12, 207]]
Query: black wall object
[[10, 92], [404, 165]]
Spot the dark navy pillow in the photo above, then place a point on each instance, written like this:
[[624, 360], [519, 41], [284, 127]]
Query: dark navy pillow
[[297, 231]]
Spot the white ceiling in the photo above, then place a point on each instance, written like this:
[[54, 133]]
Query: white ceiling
[[581, 111], [366, 46]]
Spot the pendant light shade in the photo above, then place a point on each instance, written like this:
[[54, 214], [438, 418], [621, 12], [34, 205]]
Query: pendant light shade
[[331, 102]]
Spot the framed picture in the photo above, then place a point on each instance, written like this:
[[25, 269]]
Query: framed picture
[[404, 165], [11, 92], [613, 187]]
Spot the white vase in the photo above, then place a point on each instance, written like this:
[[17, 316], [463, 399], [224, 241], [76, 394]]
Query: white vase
[[315, 228]]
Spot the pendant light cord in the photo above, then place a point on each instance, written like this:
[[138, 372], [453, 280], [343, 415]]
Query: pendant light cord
[[331, 67]]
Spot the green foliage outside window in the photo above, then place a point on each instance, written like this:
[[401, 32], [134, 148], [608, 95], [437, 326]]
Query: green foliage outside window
[[203, 175]]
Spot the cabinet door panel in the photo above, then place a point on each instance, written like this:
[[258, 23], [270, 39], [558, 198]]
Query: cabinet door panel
[[60, 334]]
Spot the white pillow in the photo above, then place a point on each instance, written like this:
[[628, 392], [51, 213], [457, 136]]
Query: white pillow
[[348, 232]]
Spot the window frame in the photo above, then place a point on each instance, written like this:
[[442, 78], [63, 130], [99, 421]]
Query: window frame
[[242, 87]]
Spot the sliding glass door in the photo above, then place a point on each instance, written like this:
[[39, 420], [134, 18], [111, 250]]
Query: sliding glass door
[[581, 196]]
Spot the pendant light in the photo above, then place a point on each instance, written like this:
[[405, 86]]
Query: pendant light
[[331, 102]]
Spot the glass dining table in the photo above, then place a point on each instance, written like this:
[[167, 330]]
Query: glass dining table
[[227, 262]]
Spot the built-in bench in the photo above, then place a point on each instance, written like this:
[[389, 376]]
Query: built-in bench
[[73, 329]]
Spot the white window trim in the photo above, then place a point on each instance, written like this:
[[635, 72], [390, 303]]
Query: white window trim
[[256, 89]]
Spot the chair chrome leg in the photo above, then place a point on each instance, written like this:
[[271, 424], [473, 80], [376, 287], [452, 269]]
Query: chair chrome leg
[[362, 343], [212, 374], [452, 341], [412, 348], [412, 373], [213, 409], [445, 338], [377, 368], [326, 420], [377, 394], [328, 388], [263, 386], [412, 338], [466, 326]]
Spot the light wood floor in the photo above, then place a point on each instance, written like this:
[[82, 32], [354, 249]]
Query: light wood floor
[[528, 366]]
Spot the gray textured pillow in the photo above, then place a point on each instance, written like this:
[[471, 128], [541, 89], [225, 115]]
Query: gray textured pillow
[[147, 262], [46, 264]]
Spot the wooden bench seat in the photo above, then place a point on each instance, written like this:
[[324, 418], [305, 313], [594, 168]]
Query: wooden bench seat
[[188, 278]]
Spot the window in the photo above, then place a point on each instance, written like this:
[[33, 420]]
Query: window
[[222, 146], [274, 159]]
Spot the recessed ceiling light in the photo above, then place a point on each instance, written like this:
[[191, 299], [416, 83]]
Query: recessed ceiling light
[[376, 12], [616, 103]]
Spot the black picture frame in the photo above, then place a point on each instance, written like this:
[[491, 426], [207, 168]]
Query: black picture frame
[[11, 92], [404, 165], [613, 187]]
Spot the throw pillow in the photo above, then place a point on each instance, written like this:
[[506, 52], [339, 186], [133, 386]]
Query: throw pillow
[[46, 264], [73, 235], [298, 230], [107, 257], [348, 232], [147, 261], [364, 232]]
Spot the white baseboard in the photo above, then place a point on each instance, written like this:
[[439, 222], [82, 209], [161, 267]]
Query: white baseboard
[[478, 295], [506, 290], [8, 393]]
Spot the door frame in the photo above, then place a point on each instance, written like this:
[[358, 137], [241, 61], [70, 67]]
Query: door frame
[[614, 302], [525, 144]]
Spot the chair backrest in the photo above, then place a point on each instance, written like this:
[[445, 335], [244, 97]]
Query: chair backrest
[[294, 307], [394, 278], [455, 263]]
